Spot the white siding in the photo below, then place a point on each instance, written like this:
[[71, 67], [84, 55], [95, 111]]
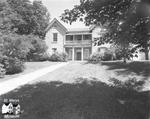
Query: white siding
[[49, 41]]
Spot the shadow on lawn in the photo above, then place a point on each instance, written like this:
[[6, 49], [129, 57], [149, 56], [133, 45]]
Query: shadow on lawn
[[139, 68], [81, 100]]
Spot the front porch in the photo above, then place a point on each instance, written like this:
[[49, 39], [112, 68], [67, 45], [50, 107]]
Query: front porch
[[78, 53]]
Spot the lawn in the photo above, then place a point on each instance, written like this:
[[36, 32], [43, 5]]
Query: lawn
[[102, 71], [138, 68], [81, 100], [75, 70], [29, 67], [80, 90]]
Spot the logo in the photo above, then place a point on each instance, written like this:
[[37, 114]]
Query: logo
[[11, 108]]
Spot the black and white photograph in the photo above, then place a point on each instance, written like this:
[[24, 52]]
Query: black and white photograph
[[74, 59]]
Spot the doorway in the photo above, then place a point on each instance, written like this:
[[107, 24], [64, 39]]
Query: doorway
[[78, 55]]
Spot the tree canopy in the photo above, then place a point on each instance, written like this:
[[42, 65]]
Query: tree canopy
[[126, 21], [24, 17]]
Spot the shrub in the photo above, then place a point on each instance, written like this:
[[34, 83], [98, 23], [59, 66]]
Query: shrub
[[38, 48], [23, 47], [43, 57], [15, 46], [107, 56], [95, 58], [12, 65], [2, 71], [58, 57], [39, 57], [63, 57]]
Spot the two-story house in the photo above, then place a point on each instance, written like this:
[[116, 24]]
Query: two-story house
[[77, 43]]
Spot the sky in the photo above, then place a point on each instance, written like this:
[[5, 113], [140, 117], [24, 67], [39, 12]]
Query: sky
[[56, 8]]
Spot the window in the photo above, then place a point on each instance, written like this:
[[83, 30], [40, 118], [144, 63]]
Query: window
[[55, 35], [69, 38], [78, 37], [54, 50], [87, 37]]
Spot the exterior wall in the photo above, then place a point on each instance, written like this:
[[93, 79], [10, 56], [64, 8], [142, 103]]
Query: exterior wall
[[96, 33], [51, 44]]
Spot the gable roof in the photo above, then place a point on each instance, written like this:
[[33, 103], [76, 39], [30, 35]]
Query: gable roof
[[72, 30], [57, 22]]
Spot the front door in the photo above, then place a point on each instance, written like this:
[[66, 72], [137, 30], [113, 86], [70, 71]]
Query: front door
[[78, 55]]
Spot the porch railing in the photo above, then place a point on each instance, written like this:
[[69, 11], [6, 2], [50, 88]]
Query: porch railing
[[78, 42]]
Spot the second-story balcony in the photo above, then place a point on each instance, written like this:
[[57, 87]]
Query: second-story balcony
[[78, 39], [84, 42]]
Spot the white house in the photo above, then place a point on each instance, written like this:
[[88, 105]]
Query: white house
[[77, 43]]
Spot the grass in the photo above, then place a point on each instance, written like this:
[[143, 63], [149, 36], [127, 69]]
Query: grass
[[29, 67], [77, 98], [138, 68], [76, 70], [81, 100]]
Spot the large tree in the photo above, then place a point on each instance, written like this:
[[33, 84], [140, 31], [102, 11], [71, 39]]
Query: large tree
[[120, 17], [22, 27], [9, 18], [34, 15]]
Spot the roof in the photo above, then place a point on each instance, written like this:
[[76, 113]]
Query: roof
[[70, 30], [78, 30], [56, 21]]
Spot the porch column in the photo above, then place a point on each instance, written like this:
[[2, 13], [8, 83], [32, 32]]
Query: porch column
[[82, 54], [73, 38], [72, 53]]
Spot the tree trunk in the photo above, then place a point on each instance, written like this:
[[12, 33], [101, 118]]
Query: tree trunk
[[124, 60], [146, 53]]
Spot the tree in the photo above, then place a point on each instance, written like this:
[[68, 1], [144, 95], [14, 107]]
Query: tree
[[20, 19], [8, 18], [111, 13], [35, 17], [141, 28]]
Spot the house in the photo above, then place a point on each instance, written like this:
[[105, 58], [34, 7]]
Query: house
[[77, 43]]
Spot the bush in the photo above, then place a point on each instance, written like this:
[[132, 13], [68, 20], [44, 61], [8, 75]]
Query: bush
[[58, 57], [15, 46], [43, 57], [107, 56], [37, 50], [63, 57], [95, 58], [2, 71], [39, 57], [12, 65], [23, 47]]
